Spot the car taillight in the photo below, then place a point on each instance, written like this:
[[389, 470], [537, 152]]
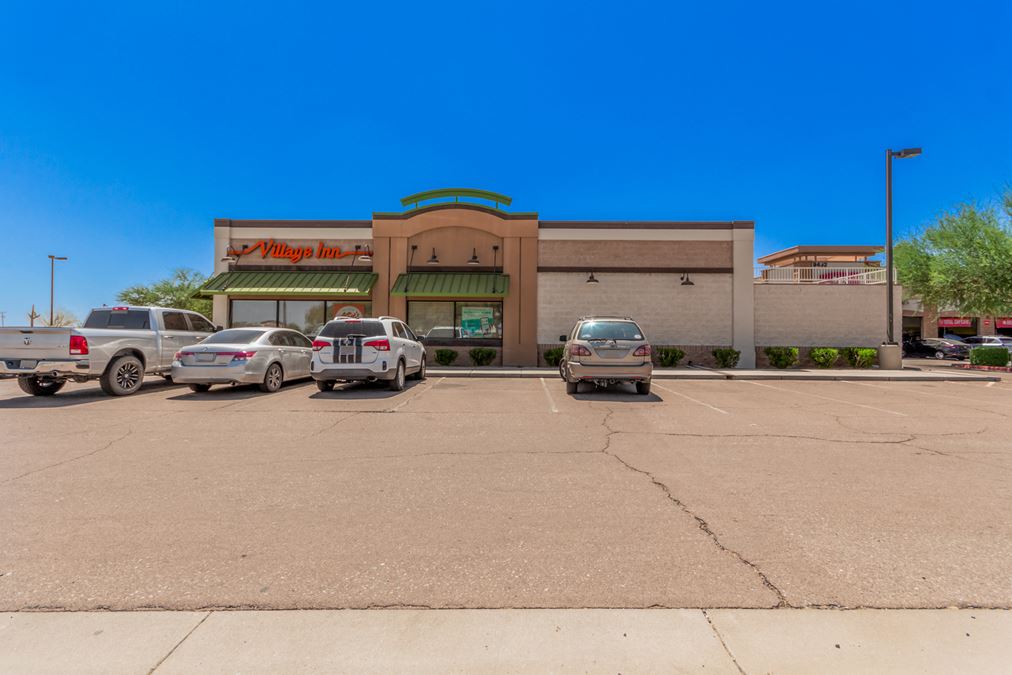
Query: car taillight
[[78, 344], [642, 350], [319, 344], [579, 350], [178, 356], [242, 356], [379, 345]]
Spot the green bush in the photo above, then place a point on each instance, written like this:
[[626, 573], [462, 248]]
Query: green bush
[[553, 356], [860, 357], [989, 356], [782, 357], [669, 357], [726, 357], [445, 357], [482, 356], [824, 357]]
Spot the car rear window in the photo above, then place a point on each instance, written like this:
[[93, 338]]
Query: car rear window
[[339, 329], [129, 319], [234, 335], [610, 330]]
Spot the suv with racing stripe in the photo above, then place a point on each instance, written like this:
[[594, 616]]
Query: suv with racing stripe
[[367, 350]]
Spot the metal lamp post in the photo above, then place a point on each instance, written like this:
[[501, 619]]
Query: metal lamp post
[[52, 284], [890, 353]]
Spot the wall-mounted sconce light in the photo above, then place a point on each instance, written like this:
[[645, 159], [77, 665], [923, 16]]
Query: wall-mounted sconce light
[[433, 260], [686, 281], [474, 257], [592, 279]]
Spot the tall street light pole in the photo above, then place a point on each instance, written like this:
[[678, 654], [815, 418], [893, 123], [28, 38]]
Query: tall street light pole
[[898, 154], [52, 284]]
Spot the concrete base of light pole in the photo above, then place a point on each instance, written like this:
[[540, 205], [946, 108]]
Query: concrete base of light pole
[[890, 357]]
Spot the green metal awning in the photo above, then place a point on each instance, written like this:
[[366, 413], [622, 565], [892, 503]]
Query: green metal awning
[[451, 285], [292, 283]]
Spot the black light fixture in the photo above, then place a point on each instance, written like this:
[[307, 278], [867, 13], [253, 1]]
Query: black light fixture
[[432, 260], [592, 279], [474, 257], [686, 281]]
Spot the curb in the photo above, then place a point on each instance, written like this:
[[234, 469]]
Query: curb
[[705, 374]]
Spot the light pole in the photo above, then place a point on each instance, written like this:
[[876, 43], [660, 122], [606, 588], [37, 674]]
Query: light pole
[[52, 283], [898, 154]]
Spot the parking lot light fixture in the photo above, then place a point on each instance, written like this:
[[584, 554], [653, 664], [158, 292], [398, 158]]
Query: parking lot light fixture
[[899, 154]]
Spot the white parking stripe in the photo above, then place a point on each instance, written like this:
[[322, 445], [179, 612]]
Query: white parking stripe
[[930, 394], [827, 398], [678, 393], [409, 399], [551, 403]]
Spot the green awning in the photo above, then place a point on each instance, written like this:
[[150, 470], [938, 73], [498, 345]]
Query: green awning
[[451, 285], [290, 284]]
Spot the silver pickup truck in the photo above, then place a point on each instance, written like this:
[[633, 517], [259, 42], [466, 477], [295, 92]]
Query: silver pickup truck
[[116, 346]]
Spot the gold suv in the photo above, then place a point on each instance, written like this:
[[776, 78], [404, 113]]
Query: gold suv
[[606, 350]]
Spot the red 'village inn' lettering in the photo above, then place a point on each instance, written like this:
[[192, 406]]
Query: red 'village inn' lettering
[[269, 248]]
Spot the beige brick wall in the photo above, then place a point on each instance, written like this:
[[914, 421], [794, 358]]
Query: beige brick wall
[[669, 313], [806, 315]]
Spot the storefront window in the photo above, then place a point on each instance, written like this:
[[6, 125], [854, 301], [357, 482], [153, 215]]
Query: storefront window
[[446, 320], [254, 313], [302, 315]]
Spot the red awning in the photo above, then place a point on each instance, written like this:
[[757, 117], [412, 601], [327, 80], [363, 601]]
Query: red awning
[[1003, 323]]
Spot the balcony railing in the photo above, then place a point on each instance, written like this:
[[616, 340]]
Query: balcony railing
[[828, 276]]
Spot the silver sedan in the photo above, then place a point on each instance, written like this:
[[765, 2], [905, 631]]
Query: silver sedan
[[264, 356]]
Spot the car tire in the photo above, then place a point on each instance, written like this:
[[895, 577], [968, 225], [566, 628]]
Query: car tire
[[562, 371], [397, 384], [571, 387], [325, 385], [272, 378], [420, 375], [643, 388], [37, 387], [200, 388], [123, 376], [939, 354]]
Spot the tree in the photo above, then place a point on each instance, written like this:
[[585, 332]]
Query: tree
[[177, 291], [963, 260], [61, 317]]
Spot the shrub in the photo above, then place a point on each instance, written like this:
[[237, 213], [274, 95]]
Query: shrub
[[482, 356], [553, 356], [445, 357], [782, 357], [989, 356], [824, 357], [669, 357], [860, 357], [726, 357]]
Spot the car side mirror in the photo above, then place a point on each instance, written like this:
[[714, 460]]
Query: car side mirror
[[421, 338], [563, 338], [218, 328]]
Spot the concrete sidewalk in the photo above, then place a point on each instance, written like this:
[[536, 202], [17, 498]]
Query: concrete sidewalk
[[513, 640], [799, 374]]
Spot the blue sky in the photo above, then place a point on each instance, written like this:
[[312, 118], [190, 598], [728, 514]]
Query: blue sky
[[125, 129]]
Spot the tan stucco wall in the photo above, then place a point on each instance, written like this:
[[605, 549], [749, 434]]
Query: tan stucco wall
[[668, 312], [808, 315], [563, 253]]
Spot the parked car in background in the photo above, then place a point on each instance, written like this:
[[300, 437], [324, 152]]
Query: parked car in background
[[264, 356], [117, 346], [989, 341], [938, 348], [367, 350], [606, 350], [443, 332]]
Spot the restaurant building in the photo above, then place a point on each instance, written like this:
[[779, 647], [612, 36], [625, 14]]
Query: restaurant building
[[464, 271]]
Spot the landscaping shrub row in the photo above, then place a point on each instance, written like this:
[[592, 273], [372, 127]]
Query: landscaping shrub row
[[823, 357], [989, 356], [480, 356]]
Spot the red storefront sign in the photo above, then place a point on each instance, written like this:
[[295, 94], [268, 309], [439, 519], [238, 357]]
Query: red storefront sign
[[1003, 323], [954, 322]]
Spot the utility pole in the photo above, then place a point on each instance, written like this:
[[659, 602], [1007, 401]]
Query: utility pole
[[52, 284]]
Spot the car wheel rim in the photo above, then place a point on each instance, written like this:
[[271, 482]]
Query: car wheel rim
[[400, 376], [274, 377], [128, 376]]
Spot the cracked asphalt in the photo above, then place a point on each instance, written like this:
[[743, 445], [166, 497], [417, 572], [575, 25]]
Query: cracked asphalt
[[507, 493]]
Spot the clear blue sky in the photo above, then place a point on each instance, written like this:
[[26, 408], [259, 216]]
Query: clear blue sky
[[126, 129]]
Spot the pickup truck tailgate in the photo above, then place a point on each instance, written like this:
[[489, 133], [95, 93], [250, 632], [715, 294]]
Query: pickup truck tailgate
[[36, 344]]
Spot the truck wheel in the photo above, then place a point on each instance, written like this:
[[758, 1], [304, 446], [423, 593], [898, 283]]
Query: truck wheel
[[36, 387], [325, 385], [272, 379], [123, 376], [397, 384]]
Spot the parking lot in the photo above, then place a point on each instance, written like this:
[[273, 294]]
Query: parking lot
[[509, 493]]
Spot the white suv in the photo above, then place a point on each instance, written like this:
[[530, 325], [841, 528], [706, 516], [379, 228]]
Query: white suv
[[366, 350]]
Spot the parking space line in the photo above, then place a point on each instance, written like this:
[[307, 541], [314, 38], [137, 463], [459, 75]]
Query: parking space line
[[551, 403], [415, 397], [931, 394], [827, 398], [705, 405]]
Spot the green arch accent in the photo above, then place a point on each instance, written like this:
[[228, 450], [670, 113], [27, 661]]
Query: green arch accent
[[457, 192]]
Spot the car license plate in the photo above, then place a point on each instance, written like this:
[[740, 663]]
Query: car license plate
[[26, 364], [206, 356], [347, 350]]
